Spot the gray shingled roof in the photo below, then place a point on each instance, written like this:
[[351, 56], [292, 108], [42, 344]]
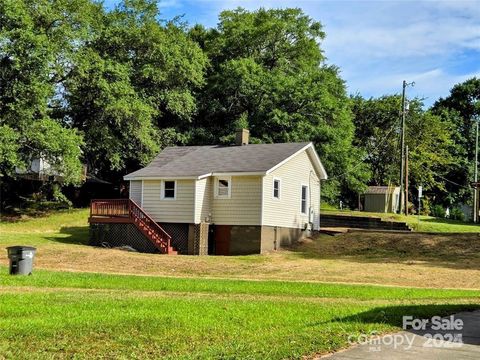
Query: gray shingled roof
[[199, 160]]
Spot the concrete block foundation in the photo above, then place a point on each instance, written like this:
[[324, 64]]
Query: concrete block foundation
[[197, 239], [276, 237], [245, 240]]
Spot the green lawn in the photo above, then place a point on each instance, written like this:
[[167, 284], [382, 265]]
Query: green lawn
[[87, 315], [52, 279], [431, 224], [64, 315], [46, 225], [422, 224]]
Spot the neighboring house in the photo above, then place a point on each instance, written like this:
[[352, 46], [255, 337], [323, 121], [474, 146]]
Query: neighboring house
[[251, 198], [40, 170], [382, 199]]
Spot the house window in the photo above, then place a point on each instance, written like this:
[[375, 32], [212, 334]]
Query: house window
[[223, 187], [276, 188], [169, 189], [304, 198]]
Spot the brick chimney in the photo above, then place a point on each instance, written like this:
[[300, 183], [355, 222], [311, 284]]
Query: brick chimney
[[241, 137]]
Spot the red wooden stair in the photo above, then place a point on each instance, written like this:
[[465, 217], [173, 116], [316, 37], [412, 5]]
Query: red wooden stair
[[127, 211]]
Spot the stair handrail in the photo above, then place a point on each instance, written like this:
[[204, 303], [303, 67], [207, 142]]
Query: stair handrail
[[134, 207]]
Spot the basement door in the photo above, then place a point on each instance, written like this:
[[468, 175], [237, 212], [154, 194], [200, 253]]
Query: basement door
[[222, 239]]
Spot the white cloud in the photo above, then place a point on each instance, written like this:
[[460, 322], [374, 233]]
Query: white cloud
[[429, 85], [377, 44], [432, 43], [162, 4], [416, 38]]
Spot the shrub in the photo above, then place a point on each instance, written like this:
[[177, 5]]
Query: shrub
[[49, 198], [426, 206], [411, 208], [60, 199], [457, 214], [438, 211]]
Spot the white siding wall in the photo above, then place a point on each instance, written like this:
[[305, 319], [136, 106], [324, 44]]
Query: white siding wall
[[136, 191], [203, 199], [245, 204], [286, 211], [180, 210]]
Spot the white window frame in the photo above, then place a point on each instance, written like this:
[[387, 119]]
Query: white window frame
[[162, 191], [217, 180], [275, 179], [306, 199]]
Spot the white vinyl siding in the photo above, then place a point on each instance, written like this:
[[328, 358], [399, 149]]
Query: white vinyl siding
[[286, 211], [203, 199], [136, 191], [243, 207], [165, 210]]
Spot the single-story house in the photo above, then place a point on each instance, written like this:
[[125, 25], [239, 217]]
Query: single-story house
[[382, 199], [225, 200]]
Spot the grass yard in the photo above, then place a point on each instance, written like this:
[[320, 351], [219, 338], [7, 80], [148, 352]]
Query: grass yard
[[85, 302], [58, 314], [422, 260]]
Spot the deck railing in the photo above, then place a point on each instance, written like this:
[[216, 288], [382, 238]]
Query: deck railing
[[110, 207]]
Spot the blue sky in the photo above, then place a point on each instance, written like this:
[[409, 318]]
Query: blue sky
[[377, 44]]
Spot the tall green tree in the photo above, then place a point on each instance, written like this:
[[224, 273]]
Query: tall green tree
[[269, 72], [37, 40], [133, 89], [461, 108], [428, 136], [377, 133]]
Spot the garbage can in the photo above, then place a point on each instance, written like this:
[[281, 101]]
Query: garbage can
[[21, 259]]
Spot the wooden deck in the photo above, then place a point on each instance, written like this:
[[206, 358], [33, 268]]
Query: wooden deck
[[126, 211]]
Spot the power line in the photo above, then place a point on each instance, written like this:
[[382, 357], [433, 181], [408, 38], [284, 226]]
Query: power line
[[443, 178], [376, 148], [365, 158]]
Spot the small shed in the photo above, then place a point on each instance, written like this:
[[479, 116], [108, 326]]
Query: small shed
[[383, 199]]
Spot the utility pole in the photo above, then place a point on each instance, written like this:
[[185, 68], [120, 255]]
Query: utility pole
[[475, 191], [402, 145], [420, 194], [406, 181]]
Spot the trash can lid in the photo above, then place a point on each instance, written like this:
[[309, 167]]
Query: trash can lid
[[21, 248]]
